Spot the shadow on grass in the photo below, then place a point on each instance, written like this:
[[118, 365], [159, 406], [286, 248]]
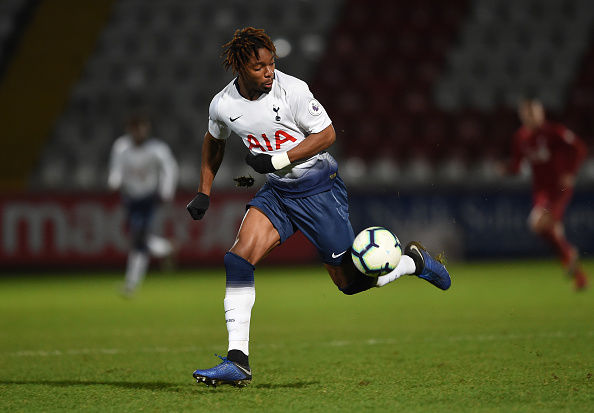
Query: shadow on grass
[[173, 387], [296, 385], [122, 384]]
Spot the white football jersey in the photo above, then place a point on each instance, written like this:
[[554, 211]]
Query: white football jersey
[[274, 123], [142, 170]]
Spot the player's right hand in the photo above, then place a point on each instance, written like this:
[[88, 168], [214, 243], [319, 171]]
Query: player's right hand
[[198, 206]]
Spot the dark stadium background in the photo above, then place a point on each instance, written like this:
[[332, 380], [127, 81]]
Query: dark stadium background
[[422, 95]]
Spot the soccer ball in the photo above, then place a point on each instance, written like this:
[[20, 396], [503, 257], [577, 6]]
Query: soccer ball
[[376, 251]]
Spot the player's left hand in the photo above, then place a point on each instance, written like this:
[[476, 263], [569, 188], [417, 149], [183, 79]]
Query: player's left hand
[[265, 164], [261, 162]]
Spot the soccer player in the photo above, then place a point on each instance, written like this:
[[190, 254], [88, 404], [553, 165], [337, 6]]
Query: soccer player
[[287, 132], [555, 155], [145, 172]]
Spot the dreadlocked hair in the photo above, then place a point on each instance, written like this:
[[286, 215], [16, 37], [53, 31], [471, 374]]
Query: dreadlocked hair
[[245, 43]]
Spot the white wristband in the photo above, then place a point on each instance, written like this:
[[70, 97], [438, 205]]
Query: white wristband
[[280, 161]]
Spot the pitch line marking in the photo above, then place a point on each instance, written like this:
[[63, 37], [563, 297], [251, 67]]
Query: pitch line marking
[[337, 343]]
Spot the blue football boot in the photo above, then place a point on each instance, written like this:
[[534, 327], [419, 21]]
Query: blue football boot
[[228, 372], [433, 269]]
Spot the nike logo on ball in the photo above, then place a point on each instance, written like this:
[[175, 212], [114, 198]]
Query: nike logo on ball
[[337, 255], [234, 119]]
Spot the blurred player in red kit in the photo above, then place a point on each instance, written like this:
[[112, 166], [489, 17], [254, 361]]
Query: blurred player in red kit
[[555, 155]]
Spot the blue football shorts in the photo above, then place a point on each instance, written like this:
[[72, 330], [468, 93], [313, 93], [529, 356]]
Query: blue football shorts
[[140, 214], [323, 218]]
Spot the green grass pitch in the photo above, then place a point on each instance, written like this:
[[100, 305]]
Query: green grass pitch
[[507, 337]]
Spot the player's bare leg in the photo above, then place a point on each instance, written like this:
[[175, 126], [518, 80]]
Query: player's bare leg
[[344, 274], [543, 224], [256, 238]]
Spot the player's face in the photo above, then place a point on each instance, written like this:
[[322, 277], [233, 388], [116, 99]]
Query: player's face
[[258, 76], [139, 131], [531, 114]]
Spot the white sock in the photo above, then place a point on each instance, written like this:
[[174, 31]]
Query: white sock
[[158, 246], [238, 312], [138, 262], [406, 266]]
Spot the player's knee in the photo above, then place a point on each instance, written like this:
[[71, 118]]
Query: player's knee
[[350, 290], [359, 284], [541, 221], [341, 275], [541, 226], [139, 241]]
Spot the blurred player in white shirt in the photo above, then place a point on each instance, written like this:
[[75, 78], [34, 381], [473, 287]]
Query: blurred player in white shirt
[[145, 172]]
